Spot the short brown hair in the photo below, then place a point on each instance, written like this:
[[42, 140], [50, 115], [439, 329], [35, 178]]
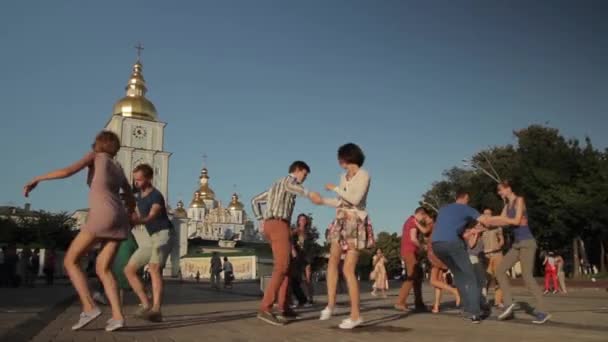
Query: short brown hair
[[351, 154], [299, 165], [462, 193], [107, 142], [145, 169]]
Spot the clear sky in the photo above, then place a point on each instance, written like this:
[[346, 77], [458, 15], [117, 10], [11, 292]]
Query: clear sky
[[420, 85]]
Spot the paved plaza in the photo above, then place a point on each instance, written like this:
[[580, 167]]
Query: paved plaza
[[193, 312]]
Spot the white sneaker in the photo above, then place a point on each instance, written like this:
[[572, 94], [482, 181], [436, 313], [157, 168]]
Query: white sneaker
[[326, 314], [86, 318], [99, 298], [350, 324], [114, 324]]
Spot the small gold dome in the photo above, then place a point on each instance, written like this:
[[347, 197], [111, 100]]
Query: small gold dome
[[180, 211], [135, 104], [197, 201], [235, 204]]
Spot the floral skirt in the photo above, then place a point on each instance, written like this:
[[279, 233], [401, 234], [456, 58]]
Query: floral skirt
[[351, 232]]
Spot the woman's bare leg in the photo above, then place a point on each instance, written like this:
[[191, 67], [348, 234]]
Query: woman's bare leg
[[350, 263], [79, 246], [104, 272], [438, 282], [335, 252]]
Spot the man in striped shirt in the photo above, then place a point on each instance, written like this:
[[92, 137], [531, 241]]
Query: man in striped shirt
[[280, 200]]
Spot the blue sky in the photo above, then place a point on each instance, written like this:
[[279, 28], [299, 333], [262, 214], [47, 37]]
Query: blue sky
[[420, 85]]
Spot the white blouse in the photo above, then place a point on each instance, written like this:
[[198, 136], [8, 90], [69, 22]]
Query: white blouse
[[352, 194]]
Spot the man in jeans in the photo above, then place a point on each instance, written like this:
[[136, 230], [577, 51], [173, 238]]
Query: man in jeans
[[409, 250], [280, 201], [450, 248], [153, 235]]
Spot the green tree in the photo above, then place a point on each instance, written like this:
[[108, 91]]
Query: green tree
[[49, 230], [565, 186]]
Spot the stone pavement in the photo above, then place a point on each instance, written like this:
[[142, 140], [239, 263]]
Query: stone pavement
[[24, 311], [196, 313]]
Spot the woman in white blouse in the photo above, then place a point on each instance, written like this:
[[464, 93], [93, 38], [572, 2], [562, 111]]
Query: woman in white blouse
[[349, 231]]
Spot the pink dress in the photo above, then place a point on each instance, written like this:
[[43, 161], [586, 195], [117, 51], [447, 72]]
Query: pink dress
[[108, 218]]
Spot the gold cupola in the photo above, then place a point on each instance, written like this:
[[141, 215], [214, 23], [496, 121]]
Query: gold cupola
[[206, 192], [197, 201], [234, 203], [135, 104], [180, 212]]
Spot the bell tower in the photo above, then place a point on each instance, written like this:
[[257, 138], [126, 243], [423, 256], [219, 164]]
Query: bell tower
[[135, 120]]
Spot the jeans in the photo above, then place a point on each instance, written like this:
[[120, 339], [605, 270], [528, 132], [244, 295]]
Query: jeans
[[454, 255]]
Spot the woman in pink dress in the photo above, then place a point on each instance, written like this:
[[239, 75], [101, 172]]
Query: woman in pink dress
[[108, 223]]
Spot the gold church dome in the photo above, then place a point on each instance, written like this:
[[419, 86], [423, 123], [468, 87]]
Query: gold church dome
[[135, 104], [206, 192], [235, 204], [197, 201], [136, 107]]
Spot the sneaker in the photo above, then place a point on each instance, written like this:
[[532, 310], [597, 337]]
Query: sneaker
[[114, 324], [86, 318], [475, 319], [501, 306], [373, 294], [350, 324], [270, 318], [400, 307], [326, 314], [307, 305], [507, 313], [554, 292], [289, 315], [100, 298], [541, 318], [153, 316], [141, 312], [546, 292]]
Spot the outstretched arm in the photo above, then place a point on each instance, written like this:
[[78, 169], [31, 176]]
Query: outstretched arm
[[65, 172], [503, 219]]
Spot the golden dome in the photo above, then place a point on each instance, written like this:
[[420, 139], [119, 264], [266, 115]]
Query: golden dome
[[180, 211], [235, 204], [197, 201], [206, 192], [135, 104]]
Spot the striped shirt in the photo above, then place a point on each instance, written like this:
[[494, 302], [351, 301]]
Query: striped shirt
[[280, 199]]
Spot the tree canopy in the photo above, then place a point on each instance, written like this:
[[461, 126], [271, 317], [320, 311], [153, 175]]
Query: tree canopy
[[564, 182]]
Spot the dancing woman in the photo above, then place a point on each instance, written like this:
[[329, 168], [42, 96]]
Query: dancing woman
[[523, 250], [348, 234], [303, 244], [108, 223]]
